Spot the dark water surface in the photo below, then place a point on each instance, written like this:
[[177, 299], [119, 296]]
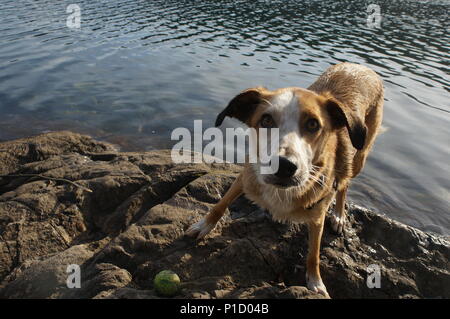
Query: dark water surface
[[137, 69]]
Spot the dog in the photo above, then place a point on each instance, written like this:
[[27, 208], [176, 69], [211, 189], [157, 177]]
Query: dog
[[325, 135]]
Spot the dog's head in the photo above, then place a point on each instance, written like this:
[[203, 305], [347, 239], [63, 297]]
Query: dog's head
[[305, 121]]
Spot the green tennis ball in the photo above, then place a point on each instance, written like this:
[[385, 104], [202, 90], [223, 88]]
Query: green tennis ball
[[166, 283]]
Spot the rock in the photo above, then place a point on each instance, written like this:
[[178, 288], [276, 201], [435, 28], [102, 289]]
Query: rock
[[121, 217], [13, 154], [45, 278]]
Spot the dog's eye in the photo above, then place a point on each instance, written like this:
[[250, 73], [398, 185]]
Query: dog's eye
[[312, 125], [267, 121]]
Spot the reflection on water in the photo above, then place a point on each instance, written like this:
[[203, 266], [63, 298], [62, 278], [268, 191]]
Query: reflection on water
[[137, 69]]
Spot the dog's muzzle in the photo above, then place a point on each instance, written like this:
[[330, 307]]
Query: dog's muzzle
[[285, 175]]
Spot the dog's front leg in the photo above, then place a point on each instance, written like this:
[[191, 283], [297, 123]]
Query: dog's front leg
[[313, 279], [206, 224]]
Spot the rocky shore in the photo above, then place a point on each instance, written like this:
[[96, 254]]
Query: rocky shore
[[68, 199]]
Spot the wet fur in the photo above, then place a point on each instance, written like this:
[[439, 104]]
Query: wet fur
[[346, 89]]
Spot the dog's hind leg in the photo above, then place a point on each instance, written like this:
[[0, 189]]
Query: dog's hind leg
[[373, 123], [206, 224], [338, 215]]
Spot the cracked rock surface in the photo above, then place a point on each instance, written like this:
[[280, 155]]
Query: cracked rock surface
[[68, 199]]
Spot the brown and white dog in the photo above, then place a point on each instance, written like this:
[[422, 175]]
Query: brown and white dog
[[326, 133]]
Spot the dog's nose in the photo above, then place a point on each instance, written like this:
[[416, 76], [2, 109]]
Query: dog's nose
[[285, 168]]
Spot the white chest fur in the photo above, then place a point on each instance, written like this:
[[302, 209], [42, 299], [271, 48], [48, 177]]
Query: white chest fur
[[279, 202]]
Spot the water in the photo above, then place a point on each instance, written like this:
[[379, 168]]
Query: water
[[137, 69]]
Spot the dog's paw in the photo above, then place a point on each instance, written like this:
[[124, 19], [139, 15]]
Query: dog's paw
[[337, 223], [316, 285], [200, 229]]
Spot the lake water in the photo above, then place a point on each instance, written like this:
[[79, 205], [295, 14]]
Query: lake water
[[137, 69]]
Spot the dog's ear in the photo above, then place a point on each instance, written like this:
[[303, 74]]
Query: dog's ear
[[242, 106], [343, 116]]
